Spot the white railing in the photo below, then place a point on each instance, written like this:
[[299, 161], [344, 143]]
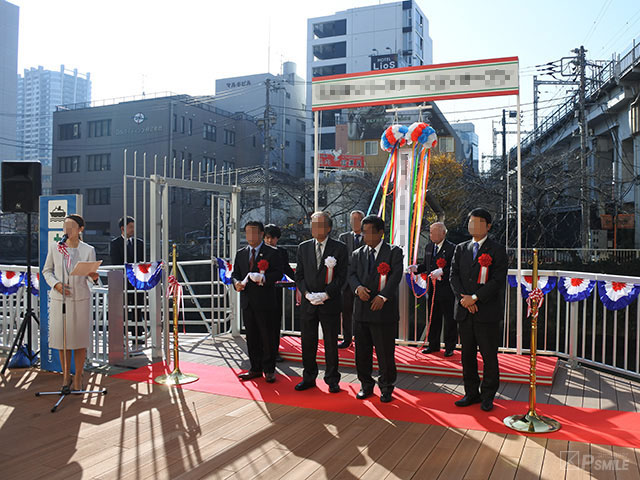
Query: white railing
[[584, 332]]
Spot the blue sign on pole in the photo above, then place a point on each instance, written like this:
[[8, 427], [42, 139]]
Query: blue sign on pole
[[53, 210]]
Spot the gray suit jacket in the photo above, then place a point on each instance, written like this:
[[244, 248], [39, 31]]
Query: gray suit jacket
[[52, 271]]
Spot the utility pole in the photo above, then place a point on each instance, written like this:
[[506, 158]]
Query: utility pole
[[582, 122], [267, 153], [504, 137]]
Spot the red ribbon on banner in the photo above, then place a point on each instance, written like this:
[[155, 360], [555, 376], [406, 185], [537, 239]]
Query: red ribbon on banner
[[175, 289]]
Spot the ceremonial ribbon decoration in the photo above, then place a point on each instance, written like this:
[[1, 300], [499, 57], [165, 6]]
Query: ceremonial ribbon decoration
[[485, 261], [418, 283], [144, 276], [538, 295], [225, 270], [545, 283], [617, 295], [62, 248], [575, 289], [383, 270], [441, 263], [330, 263], [423, 137], [263, 266], [174, 290], [11, 282]]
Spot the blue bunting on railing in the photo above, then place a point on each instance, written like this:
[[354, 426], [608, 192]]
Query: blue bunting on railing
[[10, 282], [575, 289], [144, 276], [617, 295]]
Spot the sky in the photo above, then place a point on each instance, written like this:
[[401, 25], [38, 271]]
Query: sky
[[131, 46]]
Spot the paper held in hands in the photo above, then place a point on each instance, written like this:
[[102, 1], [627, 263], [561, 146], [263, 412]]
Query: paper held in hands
[[86, 268]]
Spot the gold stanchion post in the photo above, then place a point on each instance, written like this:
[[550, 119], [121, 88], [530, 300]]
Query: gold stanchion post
[[531, 422], [176, 377]]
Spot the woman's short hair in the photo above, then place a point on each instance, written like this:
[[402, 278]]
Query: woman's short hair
[[76, 218]]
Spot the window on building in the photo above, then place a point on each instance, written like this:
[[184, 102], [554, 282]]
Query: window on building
[[175, 155], [98, 196], [100, 128], [254, 140], [446, 144], [328, 141], [330, 70], [99, 163], [229, 137], [302, 126], [208, 163], [68, 164], [371, 148], [327, 51], [287, 121], [330, 29], [300, 147], [98, 228], [288, 95], [183, 123], [209, 132], [191, 126], [69, 131], [286, 143], [68, 191], [175, 122]]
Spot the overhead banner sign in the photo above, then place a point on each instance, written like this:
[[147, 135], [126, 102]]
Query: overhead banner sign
[[447, 81]]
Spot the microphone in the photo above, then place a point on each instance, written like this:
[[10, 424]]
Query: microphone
[[64, 239]]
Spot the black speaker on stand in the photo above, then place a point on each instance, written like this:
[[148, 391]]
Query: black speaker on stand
[[21, 189]]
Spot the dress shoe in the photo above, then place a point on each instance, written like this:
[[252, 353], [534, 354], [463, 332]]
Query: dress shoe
[[279, 359], [249, 375], [448, 353], [344, 344], [334, 388], [304, 386], [362, 394], [467, 400], [270, 377], [430, 350], [487, 404], [386, 397]]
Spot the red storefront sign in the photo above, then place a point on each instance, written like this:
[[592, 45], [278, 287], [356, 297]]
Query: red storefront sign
[[328, 160]]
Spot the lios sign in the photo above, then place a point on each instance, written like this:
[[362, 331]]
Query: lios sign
[[384, 62], [478, 78]]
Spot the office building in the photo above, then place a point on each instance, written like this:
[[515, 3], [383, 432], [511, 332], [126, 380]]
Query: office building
[[469, 138], [9, 14]]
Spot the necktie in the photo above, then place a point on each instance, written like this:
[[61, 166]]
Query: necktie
[[476, 246], [356, 242], [252, 260], [318, 254], [372, 259]]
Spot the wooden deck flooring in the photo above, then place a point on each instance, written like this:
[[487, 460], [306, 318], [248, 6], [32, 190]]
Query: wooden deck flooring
[[141, 431]]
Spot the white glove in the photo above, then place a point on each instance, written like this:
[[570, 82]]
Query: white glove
[[437, 274], [256, 277], [322, 297], [317, 298], [310, 296], [412, 268]]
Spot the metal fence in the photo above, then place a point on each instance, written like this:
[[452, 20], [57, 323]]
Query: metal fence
[[583, 332]]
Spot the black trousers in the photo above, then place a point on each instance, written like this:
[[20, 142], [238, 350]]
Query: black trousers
[[329, 323], [486, 337], [443, 316], [277, 320], [382, 336], [261, 330], [347, 314]]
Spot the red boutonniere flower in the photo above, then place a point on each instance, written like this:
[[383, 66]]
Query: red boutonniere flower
[[485, 260], [263, 266], [384, 268], [441, 263]]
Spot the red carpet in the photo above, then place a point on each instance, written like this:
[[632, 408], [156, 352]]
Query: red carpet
[[608, 427], [513, 368]]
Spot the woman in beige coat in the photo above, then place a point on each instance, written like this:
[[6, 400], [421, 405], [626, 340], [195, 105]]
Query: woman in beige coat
[[77, 298]]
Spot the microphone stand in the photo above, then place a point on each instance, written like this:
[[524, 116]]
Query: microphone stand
[[64, 391]]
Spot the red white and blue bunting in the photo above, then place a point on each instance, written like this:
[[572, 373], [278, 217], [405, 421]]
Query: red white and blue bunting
[[10, 282], [617, 295], [144, 276], [545, 284], [575, 289], [417, 282], [35, 284], [225, 269]]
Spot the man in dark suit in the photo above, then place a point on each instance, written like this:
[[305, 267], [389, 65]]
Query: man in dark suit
[[272, 234], [320, 276], [133, 255], [116, 248], [352, 240], [437, 262], [255, 281], [478, 275], [374, 275]]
